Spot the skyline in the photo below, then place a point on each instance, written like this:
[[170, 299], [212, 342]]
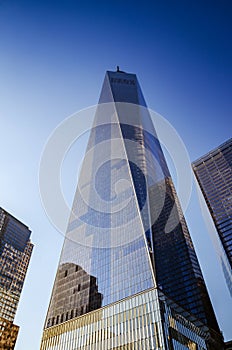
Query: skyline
[[53, 60]]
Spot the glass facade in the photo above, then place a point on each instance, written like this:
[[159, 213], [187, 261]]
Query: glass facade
[[148, 320], [214, 174], [126, 232], [15, 253]]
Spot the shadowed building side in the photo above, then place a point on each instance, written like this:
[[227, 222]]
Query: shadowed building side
[[213, 172]]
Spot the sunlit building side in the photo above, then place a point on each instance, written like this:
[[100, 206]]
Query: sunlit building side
[[15, 254], [128, 276]]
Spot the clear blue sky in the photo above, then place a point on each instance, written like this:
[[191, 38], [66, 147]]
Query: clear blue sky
[[53, 57]]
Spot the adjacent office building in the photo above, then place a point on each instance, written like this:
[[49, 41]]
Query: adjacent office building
[[214, 175], [128, 276], [15, 253]]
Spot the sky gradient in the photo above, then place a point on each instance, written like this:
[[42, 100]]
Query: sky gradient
[[53, 58]]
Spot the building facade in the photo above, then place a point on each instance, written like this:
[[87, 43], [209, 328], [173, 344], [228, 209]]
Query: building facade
[[214, 175], [126, 236], [147, 320], [15, 253]]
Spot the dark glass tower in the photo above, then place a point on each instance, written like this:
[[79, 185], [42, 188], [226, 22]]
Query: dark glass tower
[[127, 234], [15, 254], [214, 175]]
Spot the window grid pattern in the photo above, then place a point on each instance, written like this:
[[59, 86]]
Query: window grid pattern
[[15, 253], [8, 334], [214, 175], [135, 323], [119, 250]]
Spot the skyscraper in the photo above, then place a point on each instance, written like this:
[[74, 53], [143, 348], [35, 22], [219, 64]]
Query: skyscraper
[[128, 275], [214, 175], [15, 253]]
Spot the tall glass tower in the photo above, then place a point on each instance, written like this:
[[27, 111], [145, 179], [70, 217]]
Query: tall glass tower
[[214, 175], [15, 254], [128, 261]]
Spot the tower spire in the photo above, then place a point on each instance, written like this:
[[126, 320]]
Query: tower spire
[[119, 71]]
